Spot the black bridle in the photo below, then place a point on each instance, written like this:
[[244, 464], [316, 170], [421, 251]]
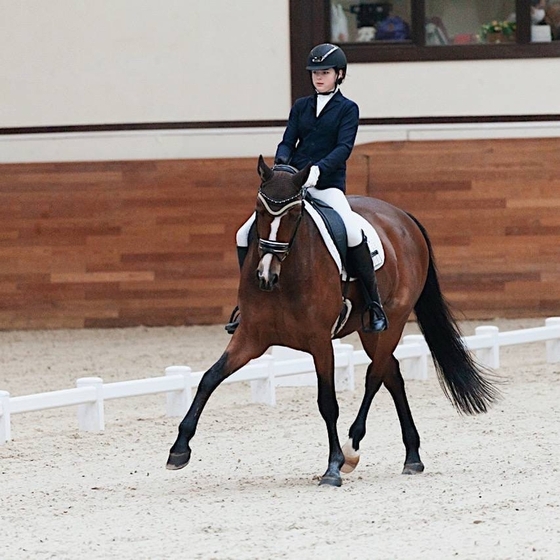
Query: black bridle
[[279, 249]]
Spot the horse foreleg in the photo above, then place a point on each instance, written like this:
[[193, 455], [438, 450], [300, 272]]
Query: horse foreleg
[[411, 438], [180, 452], [232, 359], [328, 407], [357, 430]]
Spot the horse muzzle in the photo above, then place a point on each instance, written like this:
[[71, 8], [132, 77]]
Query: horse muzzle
[[268, 272]]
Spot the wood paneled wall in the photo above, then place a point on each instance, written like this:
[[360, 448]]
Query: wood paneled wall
[[492, 209], [153, 243], [119, 244]]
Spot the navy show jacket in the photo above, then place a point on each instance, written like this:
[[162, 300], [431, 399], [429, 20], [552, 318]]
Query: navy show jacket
[[326, 140]]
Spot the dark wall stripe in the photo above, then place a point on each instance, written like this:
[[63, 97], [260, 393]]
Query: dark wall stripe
[[192, 125]]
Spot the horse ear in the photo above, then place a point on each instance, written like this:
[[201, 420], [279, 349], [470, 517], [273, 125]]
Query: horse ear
[[301, 176], [264, 171]]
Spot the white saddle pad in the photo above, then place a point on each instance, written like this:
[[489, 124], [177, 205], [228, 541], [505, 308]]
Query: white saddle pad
[[373, 240]]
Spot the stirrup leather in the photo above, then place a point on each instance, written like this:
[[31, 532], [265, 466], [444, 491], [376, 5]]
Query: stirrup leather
[[233, 321]]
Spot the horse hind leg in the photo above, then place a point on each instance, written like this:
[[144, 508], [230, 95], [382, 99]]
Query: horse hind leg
[[411, 439], [351, 449], [384, 369]]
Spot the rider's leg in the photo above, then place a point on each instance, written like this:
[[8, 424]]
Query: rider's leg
[[359, 258], [241, 254], [360, 265], [242, 240]]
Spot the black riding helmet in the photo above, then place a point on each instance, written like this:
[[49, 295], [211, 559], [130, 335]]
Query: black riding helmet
[[325, 56]]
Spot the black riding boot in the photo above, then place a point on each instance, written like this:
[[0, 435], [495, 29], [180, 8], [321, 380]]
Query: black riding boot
[[361, 266], [235, 316]]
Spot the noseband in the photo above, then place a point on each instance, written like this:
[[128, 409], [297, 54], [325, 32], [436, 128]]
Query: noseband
[[276, 248]]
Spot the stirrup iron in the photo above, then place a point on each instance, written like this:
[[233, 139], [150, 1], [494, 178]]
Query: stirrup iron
[[234, 321], [377, 319]]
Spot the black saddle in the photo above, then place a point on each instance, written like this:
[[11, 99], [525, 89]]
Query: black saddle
[[334, 224]]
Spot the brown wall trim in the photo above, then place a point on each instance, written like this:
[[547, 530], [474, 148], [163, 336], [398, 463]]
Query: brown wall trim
[[61, 129], [409, 52], [461, 120], [117, 127]]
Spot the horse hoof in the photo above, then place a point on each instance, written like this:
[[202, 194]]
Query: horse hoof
[[351, 458], [177, 461], [330, 481], [413, 468], [349, 466]]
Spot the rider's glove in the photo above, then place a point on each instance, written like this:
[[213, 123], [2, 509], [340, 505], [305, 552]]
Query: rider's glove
[[313, 177]]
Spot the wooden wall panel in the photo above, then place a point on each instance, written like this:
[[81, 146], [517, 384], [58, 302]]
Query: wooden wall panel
[[113, 244], [492, 210], [121, 243]]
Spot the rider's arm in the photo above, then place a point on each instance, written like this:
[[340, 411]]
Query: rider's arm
[[346, 137]]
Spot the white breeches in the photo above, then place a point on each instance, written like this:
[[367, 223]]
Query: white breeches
[[333, 197], [337, 199], [242, 236]]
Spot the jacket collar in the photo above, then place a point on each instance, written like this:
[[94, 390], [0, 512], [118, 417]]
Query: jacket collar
[[332, 102]]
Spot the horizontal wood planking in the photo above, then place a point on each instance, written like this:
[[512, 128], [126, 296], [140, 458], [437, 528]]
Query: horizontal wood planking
[[121, 243], [491, 208], [112, 244]]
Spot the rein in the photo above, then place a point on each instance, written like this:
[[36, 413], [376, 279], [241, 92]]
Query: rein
[[279, 249]]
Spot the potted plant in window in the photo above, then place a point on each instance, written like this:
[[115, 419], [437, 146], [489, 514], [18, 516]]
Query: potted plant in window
[[498, 32]]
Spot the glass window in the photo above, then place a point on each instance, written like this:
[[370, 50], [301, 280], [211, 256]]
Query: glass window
[[413, 27], [366, 22], [545, 21], [425, 30], [468, 22]]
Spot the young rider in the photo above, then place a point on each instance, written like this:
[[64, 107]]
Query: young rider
[[322, 130]]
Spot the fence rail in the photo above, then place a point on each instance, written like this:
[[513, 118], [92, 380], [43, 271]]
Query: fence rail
[[283, 366]]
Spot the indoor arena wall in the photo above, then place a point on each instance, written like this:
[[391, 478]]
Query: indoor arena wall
[[109, 244]]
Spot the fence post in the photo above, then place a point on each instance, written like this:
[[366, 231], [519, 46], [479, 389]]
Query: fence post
[[264, 390], [344, 376], [91, 416], [178, 402], [553, 346], [5, 429], [282, 353], [489, 356], [416, 368]]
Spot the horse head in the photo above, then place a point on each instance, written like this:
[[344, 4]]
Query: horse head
[[279, 211]]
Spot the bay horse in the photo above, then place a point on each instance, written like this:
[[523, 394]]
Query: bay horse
[[291, 292]]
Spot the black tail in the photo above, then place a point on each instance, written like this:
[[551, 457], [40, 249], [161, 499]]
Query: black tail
[[464, 382]]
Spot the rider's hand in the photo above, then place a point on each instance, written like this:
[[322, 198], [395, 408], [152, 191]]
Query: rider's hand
[[313, 177]]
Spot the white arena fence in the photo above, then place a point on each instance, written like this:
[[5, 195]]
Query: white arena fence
[[282, 366]]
